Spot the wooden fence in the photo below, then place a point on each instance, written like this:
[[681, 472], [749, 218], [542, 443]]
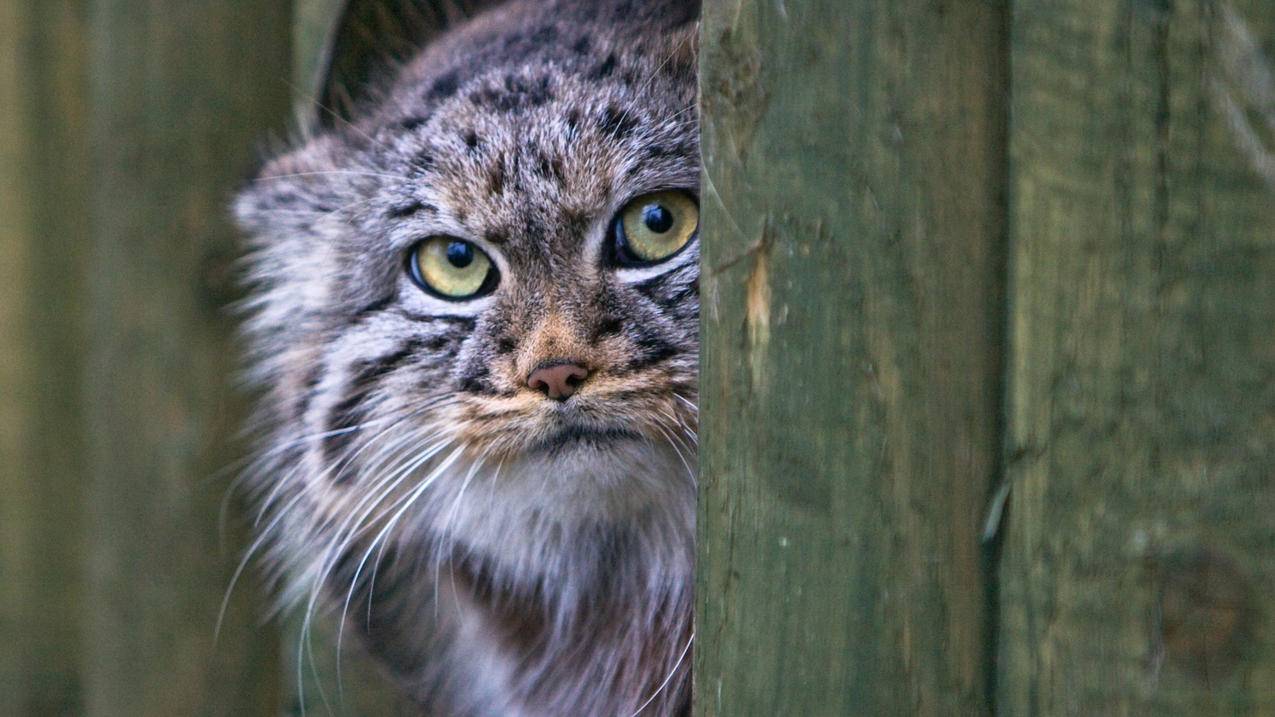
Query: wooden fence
[[988, 379], [989, 367]]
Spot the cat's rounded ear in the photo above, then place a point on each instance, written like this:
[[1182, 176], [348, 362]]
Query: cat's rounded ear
[[369, 40]]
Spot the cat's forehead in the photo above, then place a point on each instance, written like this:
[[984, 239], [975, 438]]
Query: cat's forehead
[[506, 138], [563, 155]]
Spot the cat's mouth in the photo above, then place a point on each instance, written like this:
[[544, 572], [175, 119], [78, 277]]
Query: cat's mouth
[[576, 436]]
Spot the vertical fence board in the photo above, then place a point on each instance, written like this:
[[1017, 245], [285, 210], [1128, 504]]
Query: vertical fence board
[[315, 22], [851, 291], [42, 224], [179, 96], [1138, 567]]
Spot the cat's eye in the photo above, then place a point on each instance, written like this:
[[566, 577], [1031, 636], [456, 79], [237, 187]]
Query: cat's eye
[[654, 227], [451, 268]]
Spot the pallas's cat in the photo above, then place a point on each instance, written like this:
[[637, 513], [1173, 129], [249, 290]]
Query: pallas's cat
[[474, 319]]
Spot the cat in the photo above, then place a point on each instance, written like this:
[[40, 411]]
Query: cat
[[473, 319]]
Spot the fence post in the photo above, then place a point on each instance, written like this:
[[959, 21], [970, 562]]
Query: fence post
[[1138, 568], [43, 221], [178, 99], [850, 387]]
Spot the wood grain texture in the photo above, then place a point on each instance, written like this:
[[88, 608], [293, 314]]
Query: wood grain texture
[[852, 237], [180, 94], [1138, 564], [43, 222]]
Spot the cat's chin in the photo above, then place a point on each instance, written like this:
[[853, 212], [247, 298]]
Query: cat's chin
[[578, 481], [594, 475]]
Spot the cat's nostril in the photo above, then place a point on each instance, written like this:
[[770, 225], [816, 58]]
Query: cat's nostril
[[558, 379]]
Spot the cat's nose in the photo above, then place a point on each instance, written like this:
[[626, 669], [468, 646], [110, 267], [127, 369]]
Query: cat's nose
[[558, 379]]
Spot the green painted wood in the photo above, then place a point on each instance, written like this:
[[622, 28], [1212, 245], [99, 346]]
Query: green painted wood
[[852, 313], [43, 224], [315, 24], [1138, 563], [180, 95], [347, 47]]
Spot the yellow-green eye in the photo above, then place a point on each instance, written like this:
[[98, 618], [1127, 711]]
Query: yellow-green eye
[[654, 227], [451, 268]]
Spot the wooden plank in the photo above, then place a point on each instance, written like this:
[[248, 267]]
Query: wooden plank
[[852, 243], [1138, 571], [346, 47], [42, 254], [179, 97], [315, 23]]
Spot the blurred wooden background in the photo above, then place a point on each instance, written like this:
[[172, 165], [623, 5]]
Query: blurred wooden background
[[989, 365], [126, 127]]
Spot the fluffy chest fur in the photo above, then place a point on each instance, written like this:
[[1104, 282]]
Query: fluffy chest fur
[[493, 484]]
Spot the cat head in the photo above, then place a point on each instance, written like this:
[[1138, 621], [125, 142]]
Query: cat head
[[486, 283]]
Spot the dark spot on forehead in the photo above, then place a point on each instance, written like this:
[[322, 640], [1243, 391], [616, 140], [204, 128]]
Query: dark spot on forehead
[[443, 87], [549, 168], [495, 236], [533, 229], [424, 161], [471, 139], [582, 46], [496, 177], [545, 35], [613, 122], [573, 121], [413, 122], [605, 69], [514, 95]]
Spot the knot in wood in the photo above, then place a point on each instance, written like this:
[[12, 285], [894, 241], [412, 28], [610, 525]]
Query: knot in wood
[[1204, 614]]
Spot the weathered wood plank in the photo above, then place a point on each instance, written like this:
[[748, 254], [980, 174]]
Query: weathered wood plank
[[42, 254], [852, 242], [1138, 567], [179, 97], [315, 23]]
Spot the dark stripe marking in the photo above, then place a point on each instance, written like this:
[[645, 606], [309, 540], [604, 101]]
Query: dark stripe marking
[[351, 411]]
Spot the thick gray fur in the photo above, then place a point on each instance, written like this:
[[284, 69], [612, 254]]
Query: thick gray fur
[[500, 552]]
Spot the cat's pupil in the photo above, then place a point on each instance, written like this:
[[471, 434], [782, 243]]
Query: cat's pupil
[[460, 254], [657, 218]]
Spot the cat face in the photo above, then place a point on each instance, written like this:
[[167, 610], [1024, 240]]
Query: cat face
[[486, 286]]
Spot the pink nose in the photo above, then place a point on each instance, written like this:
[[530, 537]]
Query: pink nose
[[558, 379]]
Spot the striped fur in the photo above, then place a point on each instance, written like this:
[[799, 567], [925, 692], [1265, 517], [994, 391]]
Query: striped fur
[[502, 553]]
